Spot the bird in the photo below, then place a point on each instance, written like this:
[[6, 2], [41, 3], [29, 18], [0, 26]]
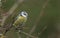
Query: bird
[[20, 20], [18, 23]]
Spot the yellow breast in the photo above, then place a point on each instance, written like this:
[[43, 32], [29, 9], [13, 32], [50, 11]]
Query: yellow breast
[[19, 20]]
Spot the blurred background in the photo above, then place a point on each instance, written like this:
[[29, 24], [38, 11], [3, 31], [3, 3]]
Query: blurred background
[[43, 19]]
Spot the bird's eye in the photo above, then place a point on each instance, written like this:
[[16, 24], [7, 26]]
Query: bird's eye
[[20, 15], [24, 14]]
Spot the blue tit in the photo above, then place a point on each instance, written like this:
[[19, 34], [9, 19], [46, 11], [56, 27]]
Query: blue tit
[[21, 19]]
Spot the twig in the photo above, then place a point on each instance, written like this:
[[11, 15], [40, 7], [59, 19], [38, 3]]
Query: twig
[[28, 34], [12, 9], [37, 20]]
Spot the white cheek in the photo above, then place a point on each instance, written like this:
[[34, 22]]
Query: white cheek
[[24, 16]]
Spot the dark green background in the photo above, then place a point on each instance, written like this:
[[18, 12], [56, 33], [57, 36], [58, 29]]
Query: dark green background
[[33, 7]]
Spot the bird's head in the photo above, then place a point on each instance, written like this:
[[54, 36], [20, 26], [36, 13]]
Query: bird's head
[[24, 14]]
